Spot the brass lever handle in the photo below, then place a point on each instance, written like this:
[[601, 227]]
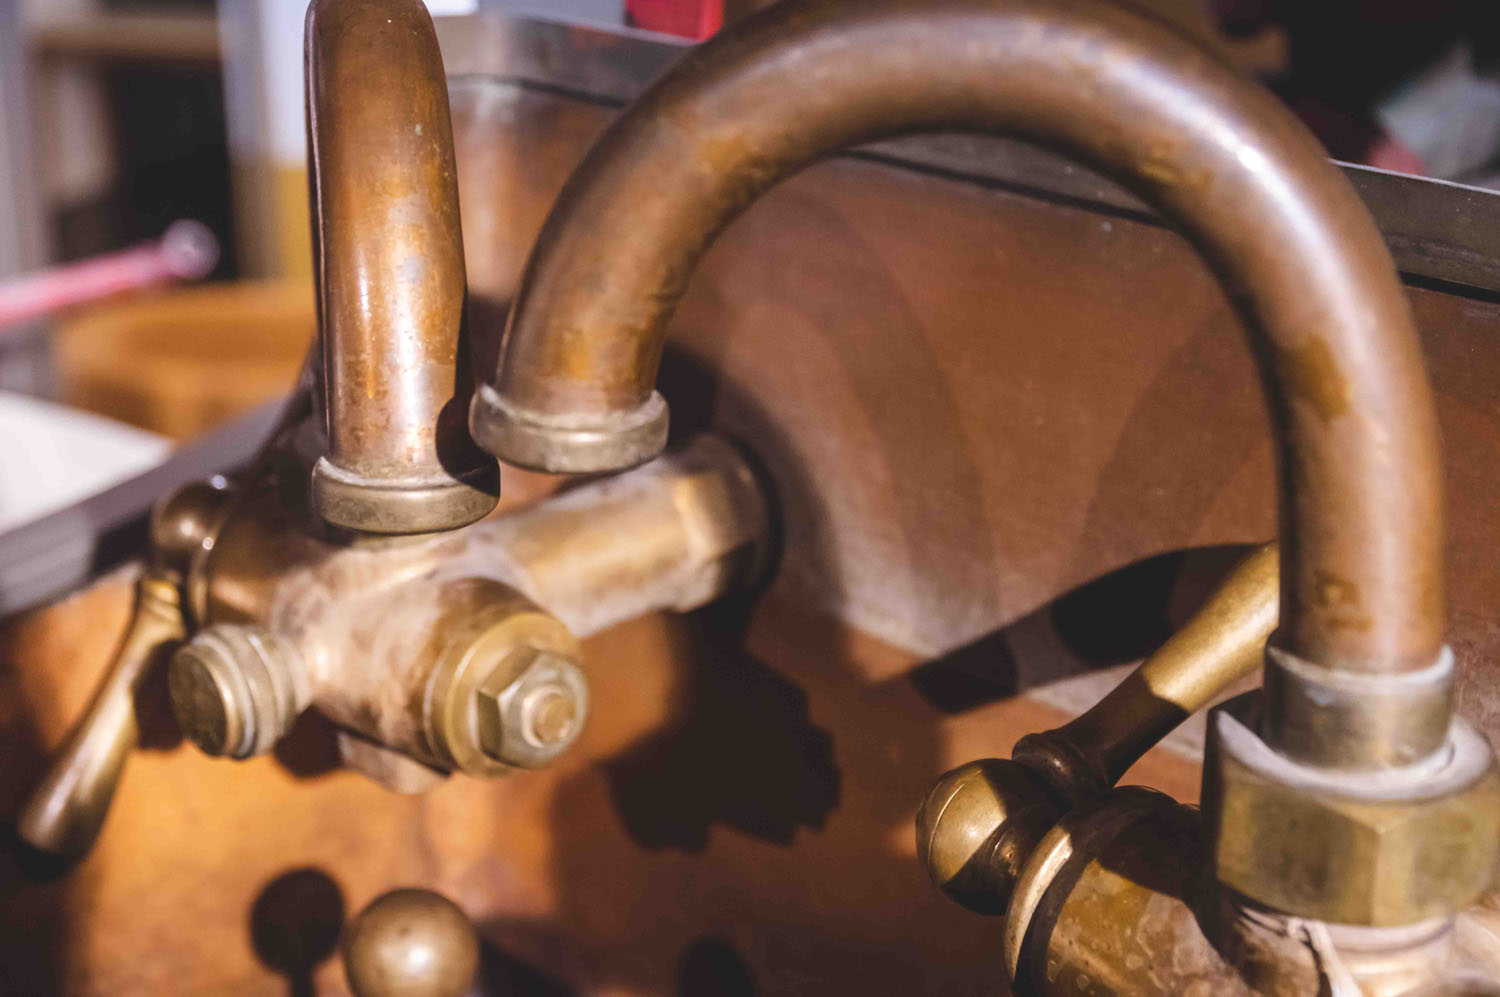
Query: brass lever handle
[[65, 811], [1223, 641], [981, 820]]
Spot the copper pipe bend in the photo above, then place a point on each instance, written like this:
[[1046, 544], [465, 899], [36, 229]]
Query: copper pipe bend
[[1361, 505], [390, 268]]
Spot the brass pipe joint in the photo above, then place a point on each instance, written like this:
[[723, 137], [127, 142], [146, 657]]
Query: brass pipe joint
[[1394, 847], [455, 651], [1123, 891]]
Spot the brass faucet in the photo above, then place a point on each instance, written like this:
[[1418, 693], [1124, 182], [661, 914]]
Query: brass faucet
[[348, 570], [1347, 791], [389, 264]]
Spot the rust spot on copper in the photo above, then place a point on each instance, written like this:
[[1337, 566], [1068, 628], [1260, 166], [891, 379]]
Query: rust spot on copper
[[1311, 373], [1340, 600], [1279, 223]]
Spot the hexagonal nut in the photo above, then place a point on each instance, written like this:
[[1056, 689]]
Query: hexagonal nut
[[532, 708], [1380, 849]]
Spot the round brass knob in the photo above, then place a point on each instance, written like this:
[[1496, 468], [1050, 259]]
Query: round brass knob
[[977, 827], [184, 521], [411, 943]]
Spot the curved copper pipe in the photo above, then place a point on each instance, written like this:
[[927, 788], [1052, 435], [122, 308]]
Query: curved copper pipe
[[390, 272], [1361, 516]]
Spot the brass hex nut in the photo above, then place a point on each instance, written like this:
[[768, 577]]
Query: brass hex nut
[[531, 709], [1379, 849]]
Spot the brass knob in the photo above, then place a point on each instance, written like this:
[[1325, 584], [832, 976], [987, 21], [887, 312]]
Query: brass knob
[[411, 943], [977, 827], [67, 808], [981, 821], [184, 522]]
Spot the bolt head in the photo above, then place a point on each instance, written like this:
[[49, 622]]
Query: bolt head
[[531, 708]]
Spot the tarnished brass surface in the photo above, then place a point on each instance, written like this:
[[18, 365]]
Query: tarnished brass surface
[[1117, 900], [529, 715], [183, 522], [1362, 584], [65, 811], [1351, 721], [1392, 848], [236, 689], [1420, 960], [982, 821], [411, 943], [978, 826], [390, 271], [1112, 901], [1223, 642], [491, 638], [458, 649]]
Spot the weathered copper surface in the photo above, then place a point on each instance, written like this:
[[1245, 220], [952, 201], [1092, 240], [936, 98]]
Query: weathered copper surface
[[1361, 520], [989, 418], [390, 273]]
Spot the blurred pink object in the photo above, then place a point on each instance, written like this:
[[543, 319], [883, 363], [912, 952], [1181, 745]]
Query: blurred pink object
[[186, 251], [1390, 153], [695, 19]]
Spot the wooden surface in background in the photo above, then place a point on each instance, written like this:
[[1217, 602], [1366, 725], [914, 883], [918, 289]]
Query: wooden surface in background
[[184, 361]]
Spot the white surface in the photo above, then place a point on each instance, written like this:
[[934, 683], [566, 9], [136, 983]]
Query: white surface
[[1449, 115], [52, 456]]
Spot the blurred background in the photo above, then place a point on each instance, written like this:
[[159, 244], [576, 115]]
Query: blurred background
[[123, 330]]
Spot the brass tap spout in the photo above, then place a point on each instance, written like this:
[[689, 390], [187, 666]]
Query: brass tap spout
[[1362, 582], [390, 269]]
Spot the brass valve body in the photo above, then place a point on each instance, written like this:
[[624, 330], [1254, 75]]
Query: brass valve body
[[456, 650]]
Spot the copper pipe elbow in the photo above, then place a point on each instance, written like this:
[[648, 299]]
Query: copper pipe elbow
[[390, 270], [1362, 583]]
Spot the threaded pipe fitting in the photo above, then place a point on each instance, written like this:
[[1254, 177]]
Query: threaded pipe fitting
[[236, 689]]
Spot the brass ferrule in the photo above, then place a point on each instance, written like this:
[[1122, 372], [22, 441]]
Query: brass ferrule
[[237, 689], [1353, 721], [1382, 848]]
